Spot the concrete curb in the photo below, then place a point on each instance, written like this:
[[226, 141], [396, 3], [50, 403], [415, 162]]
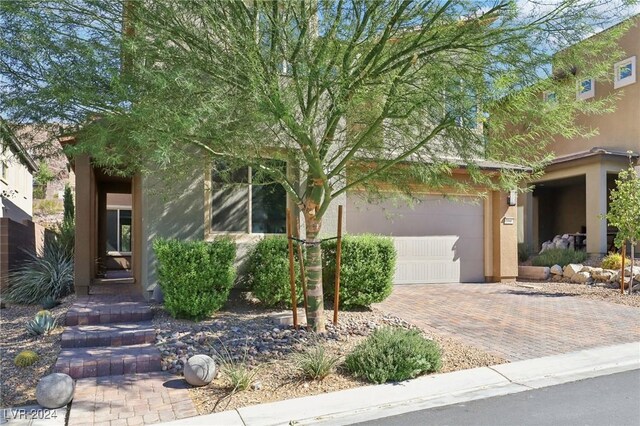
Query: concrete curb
[[372, 402]]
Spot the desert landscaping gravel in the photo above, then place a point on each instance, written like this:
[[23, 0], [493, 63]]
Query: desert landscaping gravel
[[18, 385], [597, 291], [251, 333]]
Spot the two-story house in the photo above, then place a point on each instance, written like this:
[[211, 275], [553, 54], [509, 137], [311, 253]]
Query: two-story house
[[573, 194]]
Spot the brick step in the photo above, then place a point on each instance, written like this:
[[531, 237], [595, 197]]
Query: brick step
[[113, 289], [121, 281], [108, 309], [122, 334], [112, 361]]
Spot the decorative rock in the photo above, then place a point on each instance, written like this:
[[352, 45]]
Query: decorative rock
[[55, 390], [556, 270], [588, 269], [199, 370], [571, 269], [581, 277], [556, 278], [256, 386]]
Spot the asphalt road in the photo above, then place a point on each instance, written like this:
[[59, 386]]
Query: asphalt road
[[602, 401]]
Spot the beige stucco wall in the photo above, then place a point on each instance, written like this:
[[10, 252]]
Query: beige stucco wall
[[619, 130], [19, 182], [171, 208]]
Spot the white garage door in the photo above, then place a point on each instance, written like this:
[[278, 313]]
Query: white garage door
[[437, 240]]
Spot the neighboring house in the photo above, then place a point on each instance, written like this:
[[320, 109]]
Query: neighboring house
[[17, 168], [18, 234], [573, 194]]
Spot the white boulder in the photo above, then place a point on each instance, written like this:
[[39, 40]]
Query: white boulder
[[556, 270], [55, 390], [581, 277], [571, 269], [199, 370]]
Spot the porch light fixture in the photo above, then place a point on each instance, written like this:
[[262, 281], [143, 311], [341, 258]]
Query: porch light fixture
[[512, 198]]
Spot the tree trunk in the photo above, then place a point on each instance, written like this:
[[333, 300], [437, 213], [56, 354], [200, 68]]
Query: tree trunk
[[315, 315]]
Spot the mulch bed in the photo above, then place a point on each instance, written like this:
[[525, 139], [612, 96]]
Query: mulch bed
[[19, 384]]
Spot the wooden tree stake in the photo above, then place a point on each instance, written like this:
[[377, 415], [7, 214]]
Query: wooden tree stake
[[303, 276], [624, 252], [336, 295], [292, 272]]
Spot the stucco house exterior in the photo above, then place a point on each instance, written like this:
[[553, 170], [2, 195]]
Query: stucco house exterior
[[573, 194], [17, 232], [464, 238], [16, 177]]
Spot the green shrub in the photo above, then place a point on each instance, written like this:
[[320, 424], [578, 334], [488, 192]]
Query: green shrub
[[49, 303], [195, 277], [49, 275], [523, 252], [393, 354], [26, 358], [558, 256], [614, 261], [268, 272], [315, 363], [367, 268]]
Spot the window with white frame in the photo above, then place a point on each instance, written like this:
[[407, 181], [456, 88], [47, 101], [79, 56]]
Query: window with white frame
[[243, 201], [624, 72], [586, 88], [118, 231]]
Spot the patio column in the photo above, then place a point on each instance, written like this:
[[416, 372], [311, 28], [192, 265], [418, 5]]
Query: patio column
[[596, 200], [84, 225]]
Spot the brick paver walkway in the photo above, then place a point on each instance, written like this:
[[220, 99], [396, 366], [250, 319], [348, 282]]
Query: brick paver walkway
[[130, 400], [514, 323]]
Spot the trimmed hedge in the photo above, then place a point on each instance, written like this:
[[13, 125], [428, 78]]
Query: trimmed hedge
[[367, 268], [268, 272], [195, 277]]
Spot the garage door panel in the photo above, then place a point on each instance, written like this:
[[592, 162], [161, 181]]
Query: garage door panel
[[437, 241]]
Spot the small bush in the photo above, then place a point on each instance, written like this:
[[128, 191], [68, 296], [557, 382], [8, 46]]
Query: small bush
[[49, 275], [523, 252], [42, 323], [269, 272], [26, 358], [558, 256], [393, 354], [315, 363], [614, 261], [195, 277], [49, 303], [367, 267]]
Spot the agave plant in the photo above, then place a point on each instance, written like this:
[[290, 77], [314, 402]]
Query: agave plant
[[42, 323], [49, 274]]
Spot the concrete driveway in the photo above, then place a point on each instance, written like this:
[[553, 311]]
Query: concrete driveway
[[511, 322]]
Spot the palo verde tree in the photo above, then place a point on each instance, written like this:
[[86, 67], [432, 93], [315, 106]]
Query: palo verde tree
[[353, 94], [624, 210]]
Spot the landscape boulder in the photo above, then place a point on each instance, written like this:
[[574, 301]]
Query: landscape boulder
[[55, 390], [571, 269], [533, 273], [581, 277], [199, 370], [556, 270]]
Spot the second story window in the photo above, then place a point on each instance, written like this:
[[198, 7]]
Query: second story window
[[624, 72]]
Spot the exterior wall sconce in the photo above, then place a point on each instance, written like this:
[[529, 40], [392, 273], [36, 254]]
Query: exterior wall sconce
[[512, 198]]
